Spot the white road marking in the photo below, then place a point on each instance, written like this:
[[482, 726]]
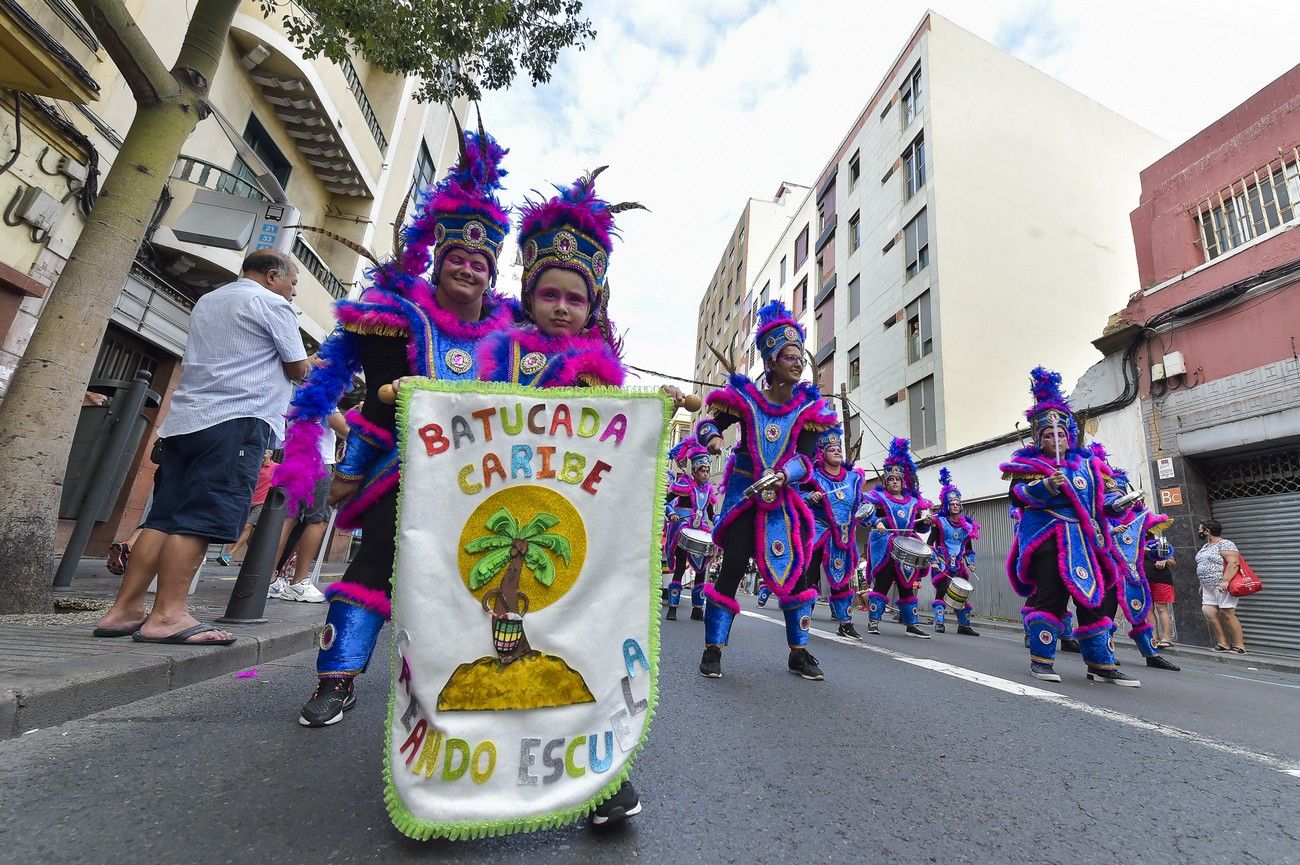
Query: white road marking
[[1010, 687]]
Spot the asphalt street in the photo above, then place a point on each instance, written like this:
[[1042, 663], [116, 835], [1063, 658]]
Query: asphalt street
[[912, 751]]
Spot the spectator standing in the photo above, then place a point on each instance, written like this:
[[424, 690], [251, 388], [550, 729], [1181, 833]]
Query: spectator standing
[[1216, 564], [243, 351], [260, 491], [312, 520], [1159, 565]]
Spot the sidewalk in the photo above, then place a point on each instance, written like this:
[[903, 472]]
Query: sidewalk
[[52, 670]]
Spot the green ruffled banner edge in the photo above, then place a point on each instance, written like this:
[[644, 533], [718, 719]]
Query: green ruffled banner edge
[[423, 830]]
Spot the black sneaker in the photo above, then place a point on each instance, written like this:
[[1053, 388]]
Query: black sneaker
[[1069, 644], [1113, 677], [941, 629], [711, 663], [672, 615], [697, 614], [333, 697], [617, 808], [1160, 662], [914, 631], [1026, 641], [802, 663], [967, 631], [846, 629], [1043, 672], [873, 627]]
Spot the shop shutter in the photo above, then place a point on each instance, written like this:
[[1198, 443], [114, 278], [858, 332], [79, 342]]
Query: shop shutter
[[993, 595]]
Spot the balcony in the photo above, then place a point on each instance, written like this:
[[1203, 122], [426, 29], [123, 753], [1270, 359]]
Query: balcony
[[317, 267]]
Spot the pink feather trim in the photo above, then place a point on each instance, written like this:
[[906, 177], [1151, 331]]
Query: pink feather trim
[[720, 599], [351, 512], [369, 429], [374, 600]]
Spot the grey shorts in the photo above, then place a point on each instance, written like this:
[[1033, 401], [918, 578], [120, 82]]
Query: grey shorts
[[254, 514], [319, 512]]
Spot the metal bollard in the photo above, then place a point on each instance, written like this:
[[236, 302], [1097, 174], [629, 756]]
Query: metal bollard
[[248, 599]]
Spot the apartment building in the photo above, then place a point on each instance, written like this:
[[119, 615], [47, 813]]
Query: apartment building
[[971, 224], [726, 312], [345, 141]]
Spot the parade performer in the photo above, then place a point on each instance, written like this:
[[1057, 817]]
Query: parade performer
[[779, 426], [900, 511], [692, 504], [1062, 546], [404, 324], [836, 491], [952, 537], [566, 338], [1130, 532]]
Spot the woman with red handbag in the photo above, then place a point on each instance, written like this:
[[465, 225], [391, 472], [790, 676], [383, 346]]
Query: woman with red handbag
[[1216, 564]]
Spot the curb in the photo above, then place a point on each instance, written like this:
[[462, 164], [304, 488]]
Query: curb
[[78, 687]]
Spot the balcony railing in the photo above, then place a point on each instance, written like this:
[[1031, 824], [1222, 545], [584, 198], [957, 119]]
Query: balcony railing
[[214, 177], [354, 82], [318, 268]]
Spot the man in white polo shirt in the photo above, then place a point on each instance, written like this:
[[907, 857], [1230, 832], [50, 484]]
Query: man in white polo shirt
[[242, 354]]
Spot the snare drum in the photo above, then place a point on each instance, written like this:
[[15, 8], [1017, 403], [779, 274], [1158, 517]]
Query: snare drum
[[695, 542], [959, 592], [911, 552]]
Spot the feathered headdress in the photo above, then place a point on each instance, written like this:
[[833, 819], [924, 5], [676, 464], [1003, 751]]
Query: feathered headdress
[[899, 462], [573, 231], [461, 211], [679, 452], [1118, 475], [947, 489], [777, 328], [832, 436], [1051, 408]]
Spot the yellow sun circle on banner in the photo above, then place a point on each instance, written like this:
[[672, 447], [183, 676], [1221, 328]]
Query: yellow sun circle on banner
[[525, 504]]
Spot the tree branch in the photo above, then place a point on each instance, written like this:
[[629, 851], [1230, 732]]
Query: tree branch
[[204, 40], [149, 80]]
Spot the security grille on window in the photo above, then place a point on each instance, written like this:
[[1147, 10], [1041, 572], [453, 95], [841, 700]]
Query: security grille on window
[[912, 96], [1260, 475], [916, 237], [920, 336], [1253, 206], [921, 413], [855, 231], [855, 369], [914, 163]]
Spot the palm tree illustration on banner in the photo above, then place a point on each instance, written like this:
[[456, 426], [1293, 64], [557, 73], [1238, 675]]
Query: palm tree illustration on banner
[[521, 549], [514, 548]]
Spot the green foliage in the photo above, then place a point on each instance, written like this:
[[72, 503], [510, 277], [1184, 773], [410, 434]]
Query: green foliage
[[504, 524], [538, 524], [488, 567], [455, 47], [506, 530], [540, 564], [555, 543]]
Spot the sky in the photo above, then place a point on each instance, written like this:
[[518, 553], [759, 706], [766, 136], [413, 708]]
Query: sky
[[697, 107]]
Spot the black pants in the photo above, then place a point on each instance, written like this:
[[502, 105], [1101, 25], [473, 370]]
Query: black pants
[[812, 574], [1051, 596], [684, 562], [737, 550], [372, 566]]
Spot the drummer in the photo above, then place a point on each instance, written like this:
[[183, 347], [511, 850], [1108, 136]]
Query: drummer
[[952, 537], [834, 492], [696, 498], [898, 556], [676, 456], [762, 515]]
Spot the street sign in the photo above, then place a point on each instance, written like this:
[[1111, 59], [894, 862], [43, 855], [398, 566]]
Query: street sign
[[1171, 497], [1165, 467]]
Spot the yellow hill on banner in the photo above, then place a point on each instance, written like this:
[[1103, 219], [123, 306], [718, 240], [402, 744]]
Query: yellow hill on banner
[[535, 681]]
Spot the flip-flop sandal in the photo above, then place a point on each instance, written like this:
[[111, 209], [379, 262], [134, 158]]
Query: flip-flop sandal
[[1240, 650], [1219, 647], [117, 632], [1164, 644], [181, 638]]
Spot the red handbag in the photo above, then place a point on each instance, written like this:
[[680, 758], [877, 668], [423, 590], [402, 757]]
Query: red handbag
[[1244, 582]]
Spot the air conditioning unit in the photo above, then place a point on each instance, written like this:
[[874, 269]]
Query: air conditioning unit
[[1174, 364], [1157, 372]]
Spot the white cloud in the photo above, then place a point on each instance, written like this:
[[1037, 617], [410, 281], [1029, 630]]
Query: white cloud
[[698, 107]]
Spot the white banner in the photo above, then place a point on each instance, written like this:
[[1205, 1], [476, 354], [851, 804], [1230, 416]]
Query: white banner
[[525, 603]]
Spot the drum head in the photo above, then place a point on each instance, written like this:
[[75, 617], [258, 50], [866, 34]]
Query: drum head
[[913, 547], [961, 586]]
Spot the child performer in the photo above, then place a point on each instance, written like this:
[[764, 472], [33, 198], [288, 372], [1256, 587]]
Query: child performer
[[901, 511], [692, 504], [837, 491], [952, 537]]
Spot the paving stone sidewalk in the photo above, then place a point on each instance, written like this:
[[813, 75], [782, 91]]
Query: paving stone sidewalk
[[52, 670]]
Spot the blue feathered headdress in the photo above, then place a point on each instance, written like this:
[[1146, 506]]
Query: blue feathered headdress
[[831, 436], [461, 211], [1118, 475], [899, 462], [947, 489], [777, 328], [1051, 407]]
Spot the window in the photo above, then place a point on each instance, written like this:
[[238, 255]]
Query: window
[[1272, 199], [912, 97], [855, 231], [767, 293], [855, 297], [783, 270], [425, 171], [921, 412], [855, 171], [801, 248], [826, 208], [914, 163], [920, 330], [916, 237], [855, 368], [801, 297], [256, 136]]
